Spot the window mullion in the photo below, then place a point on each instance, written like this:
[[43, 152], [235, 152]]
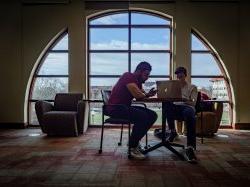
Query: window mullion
[[129, 42]]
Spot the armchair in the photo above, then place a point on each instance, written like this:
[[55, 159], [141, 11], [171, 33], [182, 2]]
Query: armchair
[[208, 117], [65, 117]]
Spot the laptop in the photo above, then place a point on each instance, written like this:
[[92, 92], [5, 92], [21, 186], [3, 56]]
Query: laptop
[[168, 89]]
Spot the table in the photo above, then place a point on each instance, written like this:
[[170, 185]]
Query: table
[[164, 142]]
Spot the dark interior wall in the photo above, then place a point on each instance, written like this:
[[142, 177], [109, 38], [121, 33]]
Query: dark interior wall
[[243, 79], [26, 30], [10, 62]]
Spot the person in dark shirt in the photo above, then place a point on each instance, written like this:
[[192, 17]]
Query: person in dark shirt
[[128, 87]]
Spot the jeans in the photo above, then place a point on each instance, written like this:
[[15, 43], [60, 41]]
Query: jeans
[[142, 118], [184, 113]]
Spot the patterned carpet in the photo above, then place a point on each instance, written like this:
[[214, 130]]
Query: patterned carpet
[[30, 158]]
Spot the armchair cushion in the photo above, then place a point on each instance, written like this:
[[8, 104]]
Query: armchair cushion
[[61, 122], [41, 108], [81, 115], [209, 120], [67, 101]]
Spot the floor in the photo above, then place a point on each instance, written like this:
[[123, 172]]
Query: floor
[[30, 158]]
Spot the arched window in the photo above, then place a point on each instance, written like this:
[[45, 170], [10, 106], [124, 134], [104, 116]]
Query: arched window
[[50, 77], [209, 75], [118, 41]]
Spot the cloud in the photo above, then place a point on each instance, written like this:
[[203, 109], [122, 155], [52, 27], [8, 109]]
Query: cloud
[[111, 19], [121, 45], [147, 46], [113, 44]]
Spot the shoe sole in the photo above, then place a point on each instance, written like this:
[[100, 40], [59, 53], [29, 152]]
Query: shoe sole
[[193, 161], [137, 158]]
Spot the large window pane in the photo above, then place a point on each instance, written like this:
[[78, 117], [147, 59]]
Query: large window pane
[[98, 84], [105, 62], [96, 113], [46, 88], [55, 64], [108, 63], [225, 119], [115, 19], [204, 64], [62, 44], [32, 114], [197, 44], [150, 39], [146, 19], [203, 84], [51, 76], [219, 89], [213, 87], [160, 62], [106, 39]]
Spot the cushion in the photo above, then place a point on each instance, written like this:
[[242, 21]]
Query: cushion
[[67, 101]]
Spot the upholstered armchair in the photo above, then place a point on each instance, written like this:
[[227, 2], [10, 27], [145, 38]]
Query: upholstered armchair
[[65, 117], [210, 121]]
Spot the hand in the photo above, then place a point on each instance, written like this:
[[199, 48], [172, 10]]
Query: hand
[[151, 92]]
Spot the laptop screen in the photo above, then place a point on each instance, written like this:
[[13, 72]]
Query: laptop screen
[[169, 89]]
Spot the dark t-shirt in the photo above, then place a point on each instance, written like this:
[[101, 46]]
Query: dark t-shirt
[[120, 93]]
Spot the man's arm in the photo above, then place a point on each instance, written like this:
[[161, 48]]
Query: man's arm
[[135, 91]]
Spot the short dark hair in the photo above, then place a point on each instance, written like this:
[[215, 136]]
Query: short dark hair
[[181, 69], [142, 66]]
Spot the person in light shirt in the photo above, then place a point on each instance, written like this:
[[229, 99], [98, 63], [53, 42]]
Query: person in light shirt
[[184, 111]]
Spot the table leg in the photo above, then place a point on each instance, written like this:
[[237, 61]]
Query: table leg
[[163, 142], [164, 117], [201, 127]]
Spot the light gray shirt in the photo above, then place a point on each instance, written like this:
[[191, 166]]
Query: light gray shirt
[[190, 92]]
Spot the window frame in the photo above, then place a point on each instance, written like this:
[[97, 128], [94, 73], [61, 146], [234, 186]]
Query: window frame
[[223, 76], [128, 51], [50, 50]]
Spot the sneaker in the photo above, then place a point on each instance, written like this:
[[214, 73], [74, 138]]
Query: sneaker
[[158, 133], [172, 136], [190, 155], [136, 154], [141, 148]]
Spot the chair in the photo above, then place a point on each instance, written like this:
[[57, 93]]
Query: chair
[[208, 121], [123, 121], [64, 118]]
